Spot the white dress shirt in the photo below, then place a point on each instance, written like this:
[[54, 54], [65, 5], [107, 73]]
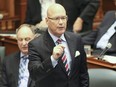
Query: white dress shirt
[[44, 6], [24, 80], [102, 43], [64, 42]]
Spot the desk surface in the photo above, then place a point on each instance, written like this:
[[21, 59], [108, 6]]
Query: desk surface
[[95, 63]]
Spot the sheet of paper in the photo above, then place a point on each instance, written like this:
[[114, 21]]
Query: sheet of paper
[[110, 59]]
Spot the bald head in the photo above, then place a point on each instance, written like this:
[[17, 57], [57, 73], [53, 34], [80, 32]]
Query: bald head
[[56, 19], [55, 9]]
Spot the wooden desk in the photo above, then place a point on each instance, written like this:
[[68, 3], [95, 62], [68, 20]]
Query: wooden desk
[[9, 43], [95, 63], [9, 23]]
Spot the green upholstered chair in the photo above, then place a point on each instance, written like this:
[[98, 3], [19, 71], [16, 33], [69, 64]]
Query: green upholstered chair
[[101, 77], [2, 52], [2, 55]]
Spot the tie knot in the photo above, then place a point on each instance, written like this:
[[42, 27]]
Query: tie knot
[[24, 59], [59, 41]]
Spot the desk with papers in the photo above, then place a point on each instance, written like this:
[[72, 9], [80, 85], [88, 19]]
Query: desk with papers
[[107, 62]]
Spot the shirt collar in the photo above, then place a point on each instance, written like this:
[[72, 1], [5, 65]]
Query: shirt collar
[[55, 38], [21, 55]]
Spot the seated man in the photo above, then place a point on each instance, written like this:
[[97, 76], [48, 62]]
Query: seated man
[[106, 33], [14, 71]]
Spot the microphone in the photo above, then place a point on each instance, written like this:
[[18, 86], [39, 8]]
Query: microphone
[[115, 27], [100, 57]]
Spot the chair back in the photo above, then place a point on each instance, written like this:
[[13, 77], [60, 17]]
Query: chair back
[[102, 77]]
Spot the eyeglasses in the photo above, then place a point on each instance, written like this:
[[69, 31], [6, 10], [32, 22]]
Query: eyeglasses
[[57, 19]]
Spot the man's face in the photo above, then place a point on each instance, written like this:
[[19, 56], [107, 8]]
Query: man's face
[[24, 35], [57, 21]]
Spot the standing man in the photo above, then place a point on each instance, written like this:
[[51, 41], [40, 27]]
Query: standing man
[[57, 58], [80, 13], [15, 66]]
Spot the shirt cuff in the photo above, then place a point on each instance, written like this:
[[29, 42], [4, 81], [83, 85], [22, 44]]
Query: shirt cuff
[[54, 62]]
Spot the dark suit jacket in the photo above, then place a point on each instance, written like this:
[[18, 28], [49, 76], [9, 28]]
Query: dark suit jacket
[[42, 71], [10, 71], [86, 9], [94, 36]]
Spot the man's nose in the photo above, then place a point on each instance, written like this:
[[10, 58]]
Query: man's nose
[[60, 20], [24, 42]]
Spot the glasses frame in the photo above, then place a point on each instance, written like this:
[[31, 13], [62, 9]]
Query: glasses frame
[[63, 18]]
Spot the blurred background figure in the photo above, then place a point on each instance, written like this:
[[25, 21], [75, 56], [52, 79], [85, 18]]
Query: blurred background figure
[[15, 66], [80, 13], [104, 34]]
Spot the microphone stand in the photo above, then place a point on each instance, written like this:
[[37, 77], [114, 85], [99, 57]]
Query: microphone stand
[[100, 57]]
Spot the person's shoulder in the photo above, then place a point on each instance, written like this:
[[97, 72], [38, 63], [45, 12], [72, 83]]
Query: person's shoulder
[[36, 39], [71, 34], [110, 12], [11, 56]]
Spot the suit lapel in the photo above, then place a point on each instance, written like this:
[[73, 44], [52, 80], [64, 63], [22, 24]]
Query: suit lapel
[[50, 44], [72, 49], [48, 41], [70, 42], [31, 83], [16, 67]]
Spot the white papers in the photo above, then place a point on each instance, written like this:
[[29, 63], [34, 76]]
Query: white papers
[[110, 59], [14, 35]]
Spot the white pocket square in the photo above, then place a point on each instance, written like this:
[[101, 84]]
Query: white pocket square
[[77, 53]]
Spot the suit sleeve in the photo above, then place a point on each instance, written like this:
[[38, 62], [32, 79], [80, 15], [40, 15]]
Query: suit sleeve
[[28, 18], [39, 66], [84, 77], [90, 10], [90, 38], [3, 78]]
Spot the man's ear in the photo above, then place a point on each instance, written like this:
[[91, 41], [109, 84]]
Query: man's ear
[[46, 20]]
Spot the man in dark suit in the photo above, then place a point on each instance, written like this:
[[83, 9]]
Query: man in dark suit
[[54, 62], [107, 28], [11, 64], [80, 13]]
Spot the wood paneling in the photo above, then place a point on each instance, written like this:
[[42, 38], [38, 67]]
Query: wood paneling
[[108, 5], [3, 6], [9, 43], [105, 5], [17, 8]]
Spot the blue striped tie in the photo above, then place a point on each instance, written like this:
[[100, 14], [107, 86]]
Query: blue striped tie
[[22, 69]]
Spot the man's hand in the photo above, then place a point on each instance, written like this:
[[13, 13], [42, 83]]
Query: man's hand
[[77, 27], [58, 51]]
